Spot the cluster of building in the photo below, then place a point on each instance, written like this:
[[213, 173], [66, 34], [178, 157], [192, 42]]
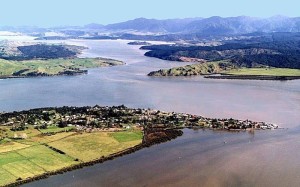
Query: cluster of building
[[119, 118]]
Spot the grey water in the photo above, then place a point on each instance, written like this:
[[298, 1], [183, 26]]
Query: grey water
[[263, 158]]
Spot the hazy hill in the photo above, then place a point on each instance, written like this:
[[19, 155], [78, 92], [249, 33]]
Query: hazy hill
[[153, 25], [210, 26]]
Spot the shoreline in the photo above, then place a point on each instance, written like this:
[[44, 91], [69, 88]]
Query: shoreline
[[253, 77], [231, 77]]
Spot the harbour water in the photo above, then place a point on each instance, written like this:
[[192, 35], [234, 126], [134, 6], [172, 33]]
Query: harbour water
[[199, 157]]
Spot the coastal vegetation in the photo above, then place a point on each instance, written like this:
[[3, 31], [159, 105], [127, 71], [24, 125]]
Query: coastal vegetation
[[40, 142], [228, 70]]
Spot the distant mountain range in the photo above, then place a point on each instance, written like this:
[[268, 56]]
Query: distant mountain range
[[205, 26], [153, 25], [210, 26]]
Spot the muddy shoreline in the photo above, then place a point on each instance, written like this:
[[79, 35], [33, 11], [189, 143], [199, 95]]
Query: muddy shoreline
[[253, 77]]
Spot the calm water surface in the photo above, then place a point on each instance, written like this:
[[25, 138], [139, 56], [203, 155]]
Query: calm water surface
[[265, 158]]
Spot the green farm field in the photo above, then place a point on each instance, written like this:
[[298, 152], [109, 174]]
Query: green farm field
[[24, 158]]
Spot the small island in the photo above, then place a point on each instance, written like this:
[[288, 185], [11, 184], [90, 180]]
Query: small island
[[139, 43], [24, 60], [37, 143]]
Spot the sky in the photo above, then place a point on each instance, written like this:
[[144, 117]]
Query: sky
[[47, 13]]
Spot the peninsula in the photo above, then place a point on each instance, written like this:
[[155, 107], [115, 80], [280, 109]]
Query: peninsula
[[19, 60], [254, 57], [52, 67], [46, 141], [228, 70]]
